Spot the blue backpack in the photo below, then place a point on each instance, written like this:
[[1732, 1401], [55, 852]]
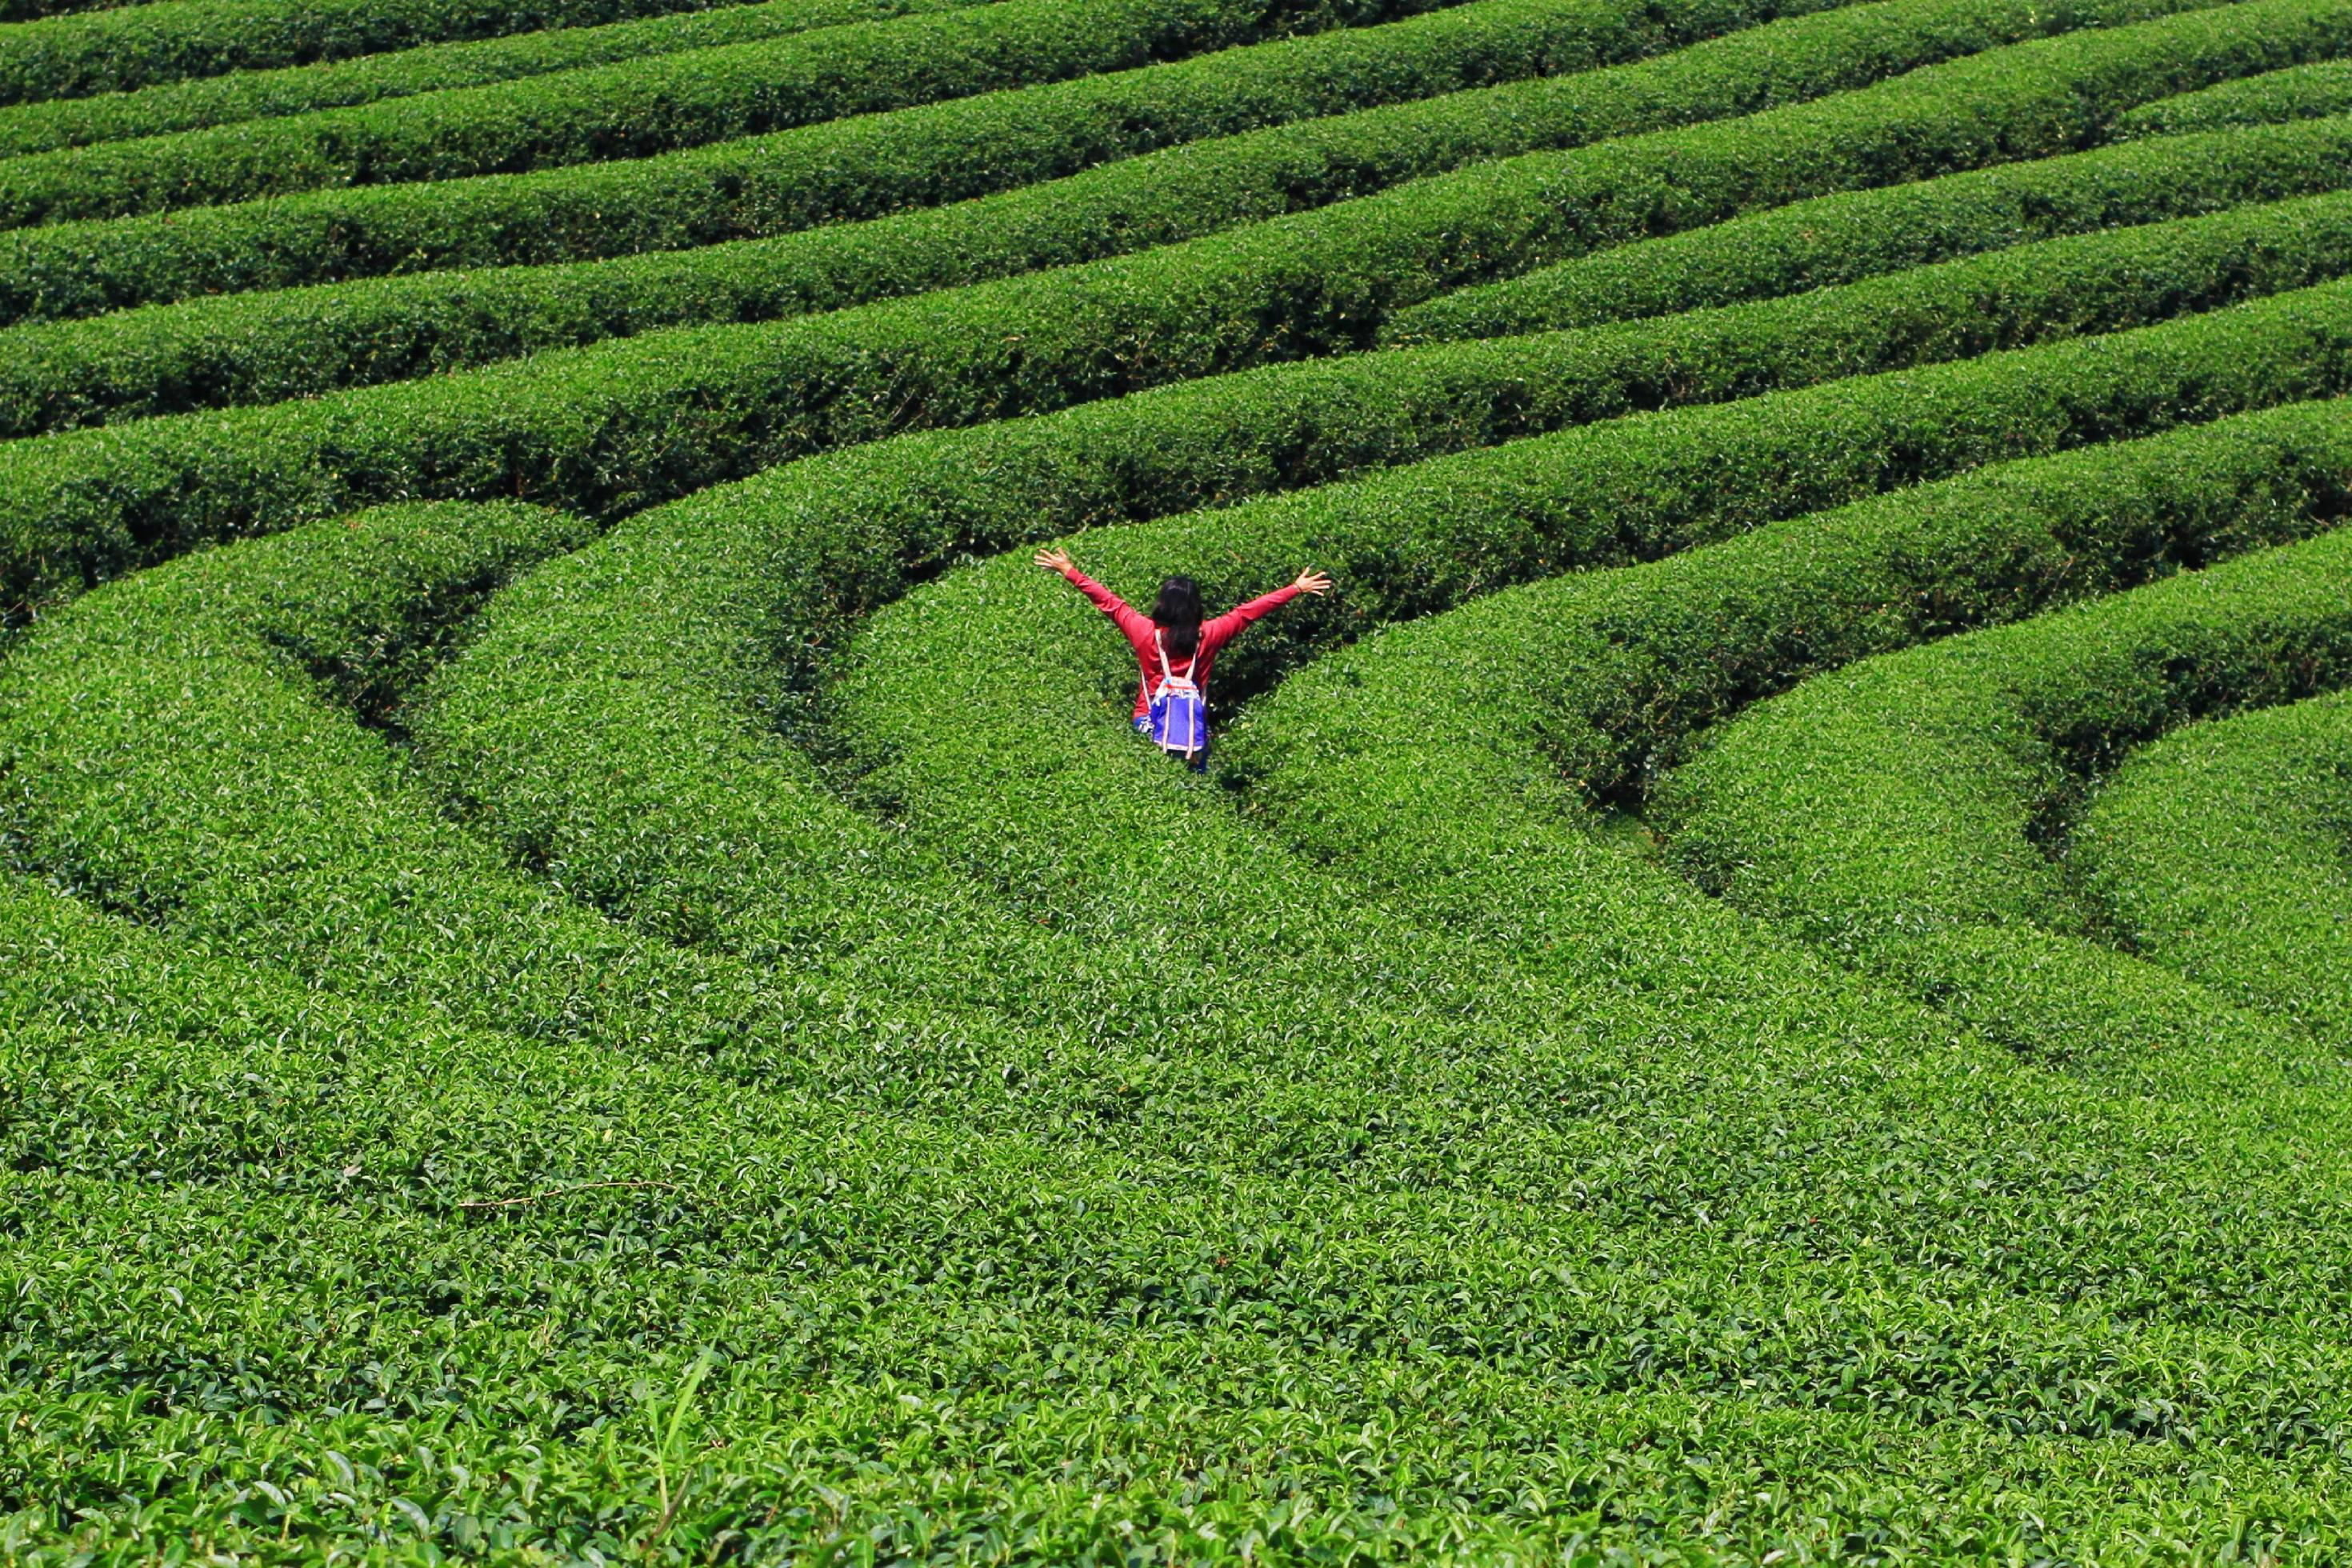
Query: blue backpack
[[1179, 709]]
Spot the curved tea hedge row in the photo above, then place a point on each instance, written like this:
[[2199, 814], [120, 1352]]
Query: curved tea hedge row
[[598, 430], [2220, 851], [749, 1180], [126, 47], [287, 1114], [618, 662], [199, 711], [1615, 673], [2298, 92], [1467, 754], [600, 722], [1211, 909], [701, 1034], [1909, 813], [1429, 536], [1839, 238], [235, 717], [926, 156], [269, 347], [49, 124], [812, 1219], [641, 107]]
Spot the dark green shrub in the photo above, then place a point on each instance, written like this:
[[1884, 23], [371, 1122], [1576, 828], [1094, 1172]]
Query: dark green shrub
[[2218, 851], [879, 165], [1861, 233], [115, 49], [639, 106], [52, 123], [2297, 93]]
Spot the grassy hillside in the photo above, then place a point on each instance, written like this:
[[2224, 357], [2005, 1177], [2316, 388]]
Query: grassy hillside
[[592, 970]]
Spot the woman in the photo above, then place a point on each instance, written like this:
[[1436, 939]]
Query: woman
[[1174, 648]]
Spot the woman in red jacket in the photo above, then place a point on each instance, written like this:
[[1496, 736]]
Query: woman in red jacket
[[1174, 649]]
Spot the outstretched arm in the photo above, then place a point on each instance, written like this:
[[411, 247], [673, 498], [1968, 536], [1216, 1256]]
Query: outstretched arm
[[1217, 633], [1122, 615]]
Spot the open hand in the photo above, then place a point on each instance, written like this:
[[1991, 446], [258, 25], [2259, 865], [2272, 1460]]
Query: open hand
[[1056, 561], [1312, 583]]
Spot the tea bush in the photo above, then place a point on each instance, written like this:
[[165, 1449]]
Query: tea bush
[[597, 429], [639, 107], [115, 49], [272, 346], [2297, 93], [2216, 851], [1838, 239], [1472, 751], [874, 165], [1924, 806], [48, 124], [258, 347], [1756, 986]]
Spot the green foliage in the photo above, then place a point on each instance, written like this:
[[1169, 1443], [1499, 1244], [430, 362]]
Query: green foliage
[[1426, 537], [909, 1243], [597, 723], [601, 430], [28, 10], [52, 123], [879, 165], [1909, 813], [115, 49], [2297, 93], [699, 1033], [268, 346], [1468, 749], [639, 106], [2220, 850], [1837, 239]]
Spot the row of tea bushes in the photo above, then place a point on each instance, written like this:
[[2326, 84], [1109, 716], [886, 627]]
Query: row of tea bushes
[[605, 713], [264, 347], [2297, 93], [51, 123], [1467, 753], [118, 48], [598, 430], [1908, 813], [269, 347], [637, 108], [879, 165], [2218, 851], [1839, 238]]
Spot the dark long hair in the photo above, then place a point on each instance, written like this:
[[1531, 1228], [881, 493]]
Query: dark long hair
[[1178, 615]]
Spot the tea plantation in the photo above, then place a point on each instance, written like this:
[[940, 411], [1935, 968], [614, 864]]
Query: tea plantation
[[591, 970]]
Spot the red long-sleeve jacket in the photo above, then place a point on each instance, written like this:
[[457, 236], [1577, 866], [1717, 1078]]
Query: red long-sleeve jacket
[[1139, 629]]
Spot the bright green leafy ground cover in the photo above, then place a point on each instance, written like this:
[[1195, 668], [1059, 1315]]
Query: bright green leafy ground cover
[[2219, 851], [875, 164], [49, 124], [640, 107], [2297, 93], [101, 48], [590, 972]]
